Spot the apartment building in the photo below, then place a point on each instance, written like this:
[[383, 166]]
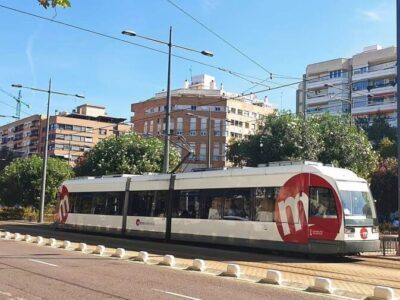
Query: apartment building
[[232, 117], [70, 134], [362, 85]]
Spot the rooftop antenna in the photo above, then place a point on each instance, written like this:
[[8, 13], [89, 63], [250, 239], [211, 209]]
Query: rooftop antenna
[[190, 71]]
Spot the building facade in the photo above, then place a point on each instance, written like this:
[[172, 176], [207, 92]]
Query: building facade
[[70, 134], [363, 85], [232, 117]]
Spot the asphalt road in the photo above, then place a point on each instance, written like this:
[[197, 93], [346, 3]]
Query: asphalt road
[[29, 271]]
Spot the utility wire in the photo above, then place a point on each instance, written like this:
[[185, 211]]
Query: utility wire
[[228, 43], [234, 73], [219, 36]]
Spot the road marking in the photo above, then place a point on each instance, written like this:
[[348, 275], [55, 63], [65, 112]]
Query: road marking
[[42, 262], [175, 294]]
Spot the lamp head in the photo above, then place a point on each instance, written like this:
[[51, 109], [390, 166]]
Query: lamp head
[[207, 53], [129, 32]]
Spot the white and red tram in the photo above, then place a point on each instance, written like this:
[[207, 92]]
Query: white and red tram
[[304, 207]]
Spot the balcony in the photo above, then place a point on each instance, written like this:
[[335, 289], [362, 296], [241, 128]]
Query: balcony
[[383, 107], [317, 100], [375, 72], [322, 81]]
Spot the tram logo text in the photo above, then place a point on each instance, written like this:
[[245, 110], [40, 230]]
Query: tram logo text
[[292, 213]]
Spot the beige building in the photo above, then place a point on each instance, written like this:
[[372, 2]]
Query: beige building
[[362, 85], [70, 134], [232, 116]]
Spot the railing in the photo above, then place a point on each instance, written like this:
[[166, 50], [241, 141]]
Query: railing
[[390, 245]]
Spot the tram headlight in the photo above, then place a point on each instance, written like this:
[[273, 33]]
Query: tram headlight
[[349, 230], [375, 229]]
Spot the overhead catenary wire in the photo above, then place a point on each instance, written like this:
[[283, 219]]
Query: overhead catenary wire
[[222, 69], [224, 40]]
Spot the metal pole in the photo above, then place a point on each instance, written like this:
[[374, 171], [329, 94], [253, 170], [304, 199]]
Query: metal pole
[[44, 168], [168, 108], [209, 139], [398, 113], [69, 153]]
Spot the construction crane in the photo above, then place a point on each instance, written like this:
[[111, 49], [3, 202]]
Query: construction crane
[[19, 102]]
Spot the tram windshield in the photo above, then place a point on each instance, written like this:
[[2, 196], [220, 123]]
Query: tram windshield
[[358, 204]]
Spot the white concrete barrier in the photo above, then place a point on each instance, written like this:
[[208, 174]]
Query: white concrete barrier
[[82, 247], [168, 260], [28, 238], [39, 240], [383, 293], [273, 277], [7, 235], [100, 249], [143, 256], [119, 252], [323, 285], [199, 265], [17, 236], [66, 244], [52, 242], [233, 270]]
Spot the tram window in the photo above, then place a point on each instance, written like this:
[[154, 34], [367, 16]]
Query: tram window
[[237, 204], [214, 207], [114, 202], [147, 203], [99, 204], [83, 203], [265, 198], [322, 203], [186, 205]]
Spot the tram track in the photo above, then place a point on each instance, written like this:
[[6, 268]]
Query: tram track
[[372, 281]]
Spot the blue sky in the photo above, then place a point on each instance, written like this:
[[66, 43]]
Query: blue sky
[[283, 36]]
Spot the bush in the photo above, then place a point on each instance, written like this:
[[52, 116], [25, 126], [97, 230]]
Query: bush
[[11, 213]]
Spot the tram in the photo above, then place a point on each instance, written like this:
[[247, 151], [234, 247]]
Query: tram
[[294, 206]]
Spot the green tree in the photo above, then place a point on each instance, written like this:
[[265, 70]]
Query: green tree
[[129, 154], [378, 129], [6, 157], [323, 138], [20, 181], [387, 148], [384, 187], [54, 3], [345, 145], [283, 137]]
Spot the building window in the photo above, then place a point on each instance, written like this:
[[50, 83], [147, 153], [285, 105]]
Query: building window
[[216, 152], [179, 126], [151, 126], [193, 107], [102, 131], [145, 127], [193, 125], [203, 151], [335, 74], [240, 112]]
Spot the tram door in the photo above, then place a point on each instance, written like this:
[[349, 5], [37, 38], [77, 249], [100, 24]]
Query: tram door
[[324, 210]]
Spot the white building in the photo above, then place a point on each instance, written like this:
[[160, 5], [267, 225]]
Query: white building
[[362, 85]]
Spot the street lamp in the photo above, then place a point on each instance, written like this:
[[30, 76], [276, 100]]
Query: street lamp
[[44, 168], [209, 135], [168, 100]]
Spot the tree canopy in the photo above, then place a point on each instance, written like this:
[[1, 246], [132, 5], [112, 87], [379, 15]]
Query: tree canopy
[[54, 3], [20, 181], [324, 138], [129, 154], [6, 157]]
